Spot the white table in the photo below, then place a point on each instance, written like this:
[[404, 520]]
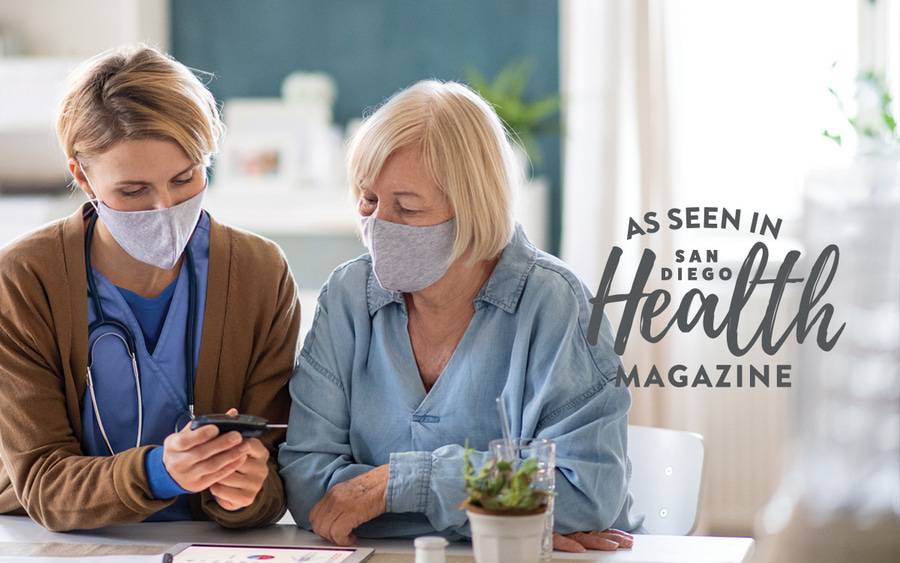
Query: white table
[[647, 549]]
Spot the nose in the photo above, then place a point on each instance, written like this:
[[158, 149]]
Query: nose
[[164, 200]]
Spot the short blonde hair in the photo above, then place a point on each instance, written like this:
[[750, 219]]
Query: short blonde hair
[[136, 92], [464, 147]]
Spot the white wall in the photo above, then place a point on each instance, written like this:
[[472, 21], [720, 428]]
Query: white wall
[[65, 28]]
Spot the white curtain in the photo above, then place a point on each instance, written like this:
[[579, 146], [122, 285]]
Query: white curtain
[[615, 157], [619, 161]]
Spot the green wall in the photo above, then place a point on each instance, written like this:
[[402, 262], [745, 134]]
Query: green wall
[[371, 48]]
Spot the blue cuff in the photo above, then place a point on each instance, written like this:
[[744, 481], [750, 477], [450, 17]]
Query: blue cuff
[[162, 486], [409, 482]]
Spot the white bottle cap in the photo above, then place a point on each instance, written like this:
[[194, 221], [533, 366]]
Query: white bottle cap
[[430, 542]]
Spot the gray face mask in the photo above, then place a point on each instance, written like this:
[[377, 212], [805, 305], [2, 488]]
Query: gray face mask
[[156, 237], [406, 258]]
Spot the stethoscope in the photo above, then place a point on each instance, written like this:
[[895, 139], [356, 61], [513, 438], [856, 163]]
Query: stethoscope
[[126, 336]]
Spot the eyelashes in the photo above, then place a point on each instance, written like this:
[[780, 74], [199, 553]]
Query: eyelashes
[[143, 189], [367, 202], [134, 193]]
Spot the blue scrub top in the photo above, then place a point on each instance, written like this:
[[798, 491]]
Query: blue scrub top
[[150, 312], [162, 371]]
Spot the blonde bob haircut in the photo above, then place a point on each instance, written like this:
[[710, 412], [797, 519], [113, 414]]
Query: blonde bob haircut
[[466, 150], [136, 92]]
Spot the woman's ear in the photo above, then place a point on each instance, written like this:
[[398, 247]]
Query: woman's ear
[[79, 177]]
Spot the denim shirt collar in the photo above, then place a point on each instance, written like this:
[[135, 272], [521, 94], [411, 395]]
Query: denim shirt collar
[[503, 288]]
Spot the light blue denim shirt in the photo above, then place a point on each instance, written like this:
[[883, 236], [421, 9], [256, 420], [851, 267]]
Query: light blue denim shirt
[[358, 400]]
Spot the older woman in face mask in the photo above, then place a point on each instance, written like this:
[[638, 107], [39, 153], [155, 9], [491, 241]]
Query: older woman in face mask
[[123, 320], [412, 343]]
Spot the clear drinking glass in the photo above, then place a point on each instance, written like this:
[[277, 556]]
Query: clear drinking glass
[[545, 479]]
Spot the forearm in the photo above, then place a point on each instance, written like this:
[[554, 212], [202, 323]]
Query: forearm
[[308, 476], [58, 486], [63, 492]]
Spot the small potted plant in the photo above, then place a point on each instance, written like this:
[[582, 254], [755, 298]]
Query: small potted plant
[[506, 512], [873, 122]]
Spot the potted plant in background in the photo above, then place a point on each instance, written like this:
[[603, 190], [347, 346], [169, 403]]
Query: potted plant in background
[[874, 125], [505, 510], [525, 120]]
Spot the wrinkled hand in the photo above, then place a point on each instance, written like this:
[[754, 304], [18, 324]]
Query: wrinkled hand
[[198, 458], [607, 540], [350, 504]]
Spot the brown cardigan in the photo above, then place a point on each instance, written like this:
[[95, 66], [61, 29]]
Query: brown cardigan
[[247, 354]]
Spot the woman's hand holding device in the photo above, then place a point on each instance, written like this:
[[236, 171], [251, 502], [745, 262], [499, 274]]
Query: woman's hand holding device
[[196, 459], [232, 467], [239, 489]]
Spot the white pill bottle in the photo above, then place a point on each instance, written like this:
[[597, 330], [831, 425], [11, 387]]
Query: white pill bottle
[[431, 549]]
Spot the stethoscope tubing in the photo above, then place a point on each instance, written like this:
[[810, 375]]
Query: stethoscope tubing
[[127, 337]]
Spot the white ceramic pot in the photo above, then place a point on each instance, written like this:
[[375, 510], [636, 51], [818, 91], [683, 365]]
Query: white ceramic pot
[[506, 538]]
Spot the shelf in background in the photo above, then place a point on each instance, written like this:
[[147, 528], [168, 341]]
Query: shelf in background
[[285, 213], [21, 214]]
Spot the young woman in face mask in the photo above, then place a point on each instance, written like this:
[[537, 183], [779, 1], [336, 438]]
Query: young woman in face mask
[[451, 308], [122, 321]]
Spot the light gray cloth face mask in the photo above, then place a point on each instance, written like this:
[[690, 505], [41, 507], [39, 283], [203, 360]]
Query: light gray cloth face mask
[[156, 237], [407, 258]]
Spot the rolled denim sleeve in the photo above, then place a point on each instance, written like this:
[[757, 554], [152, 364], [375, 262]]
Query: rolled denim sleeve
[[431, 483], [591, 470], [409, 482]]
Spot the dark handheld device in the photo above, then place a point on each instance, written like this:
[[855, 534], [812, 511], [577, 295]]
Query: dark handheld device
[[249, 426]]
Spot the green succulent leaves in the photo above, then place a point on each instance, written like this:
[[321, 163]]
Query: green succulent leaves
[[500, 487]]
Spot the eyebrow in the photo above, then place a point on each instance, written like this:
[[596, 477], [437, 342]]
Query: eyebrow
[[144, 182]]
